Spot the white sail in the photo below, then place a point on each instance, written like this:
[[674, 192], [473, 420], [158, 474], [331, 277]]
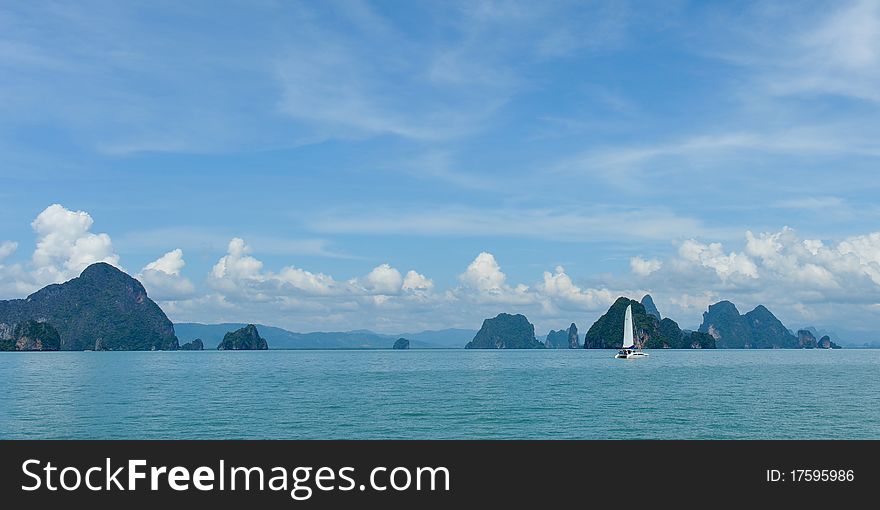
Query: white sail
[[628, 328]]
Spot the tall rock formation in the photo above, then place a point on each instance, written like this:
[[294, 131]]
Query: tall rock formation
[[826, 343], [573, 340], [195, 345], [806, 340], [607, 332], [557, 339], [758, 329], [650, 307], [102, 309], [650, 333], [506, 331], [244, 339]]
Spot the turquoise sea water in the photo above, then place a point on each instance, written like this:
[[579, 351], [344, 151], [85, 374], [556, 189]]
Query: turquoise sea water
[[440, 394]]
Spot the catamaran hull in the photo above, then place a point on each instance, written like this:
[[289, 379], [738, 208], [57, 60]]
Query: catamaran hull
[[633, 355]]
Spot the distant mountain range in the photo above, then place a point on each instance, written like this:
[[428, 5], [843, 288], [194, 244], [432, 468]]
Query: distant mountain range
[[278, 338]]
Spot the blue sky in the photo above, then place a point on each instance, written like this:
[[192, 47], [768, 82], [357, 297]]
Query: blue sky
[[695, 150]]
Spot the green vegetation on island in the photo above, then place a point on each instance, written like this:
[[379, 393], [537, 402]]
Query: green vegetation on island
[[563, 339], [758, 329], [400, 344], [650, 332], [29, 335], [244, 339], [102, 309], [506, 331]]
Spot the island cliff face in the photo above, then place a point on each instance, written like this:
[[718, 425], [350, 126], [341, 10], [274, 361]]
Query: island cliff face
[[826, 343], [506, 332], [563, 339], [29, 335], [401, 344], [102, 309], [650, 307], [806, 340], [758, 329], [557, 339], [244, 339]]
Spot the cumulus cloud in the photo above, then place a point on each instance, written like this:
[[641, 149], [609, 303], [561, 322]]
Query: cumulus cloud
[[65, 244], [416, 282], [642, 267], [558, 290], [7, 248], [866, 249], [484, 280], [382, 280], [237, 264], [163, 280], [712, 256], [171, 263], [239, 273]]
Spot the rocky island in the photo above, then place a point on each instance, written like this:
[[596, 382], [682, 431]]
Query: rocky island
[[401, 344], [650, 331], [563, 339], [195, 345], [506, 331], [758, 329], [102, 309], [244, 339]]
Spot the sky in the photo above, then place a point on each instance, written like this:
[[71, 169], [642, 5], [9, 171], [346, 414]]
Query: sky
[[400, 166]]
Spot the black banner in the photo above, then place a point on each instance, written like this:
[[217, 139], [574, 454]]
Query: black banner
[[428, 474]]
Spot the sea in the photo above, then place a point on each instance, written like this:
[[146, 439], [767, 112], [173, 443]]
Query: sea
[[441, 394]]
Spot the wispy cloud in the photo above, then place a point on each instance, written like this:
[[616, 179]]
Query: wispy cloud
[[203, 238], [599, 223]]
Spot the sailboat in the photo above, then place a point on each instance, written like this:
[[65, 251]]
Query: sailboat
[[629, 350]]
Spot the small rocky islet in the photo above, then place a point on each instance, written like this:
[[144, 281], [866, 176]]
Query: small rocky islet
[[195, 345], [244, 339]]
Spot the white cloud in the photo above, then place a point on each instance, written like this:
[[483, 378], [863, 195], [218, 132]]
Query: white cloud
[[416, 282], [839, 56], [802, 280], [307, 282], [867, 249], [65, 245], [171, 263], [484, 282], [643, 267], [237, 264], [484, 274], [163, 280], [713, 256], [7, 248], [558, 290], [239, 273], [382, 280], [600, 222]]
